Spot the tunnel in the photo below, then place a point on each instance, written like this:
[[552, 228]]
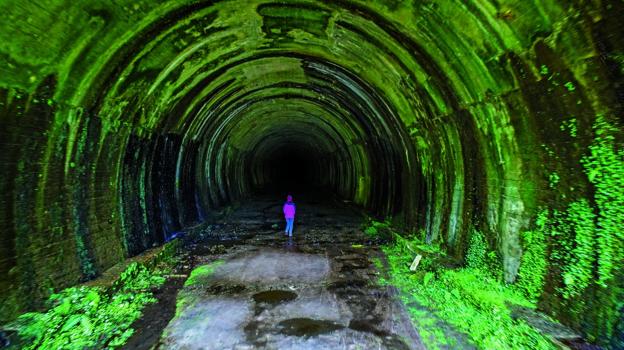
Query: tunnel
[[125, 123]]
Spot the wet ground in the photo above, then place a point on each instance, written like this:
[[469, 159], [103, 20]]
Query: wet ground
[[251, 287]]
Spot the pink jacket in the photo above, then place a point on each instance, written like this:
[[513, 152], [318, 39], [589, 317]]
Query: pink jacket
[[289, 210]]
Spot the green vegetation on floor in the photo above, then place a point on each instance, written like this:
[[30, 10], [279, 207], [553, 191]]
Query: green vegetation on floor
[[472, 299], [372, 227], [95, 317]]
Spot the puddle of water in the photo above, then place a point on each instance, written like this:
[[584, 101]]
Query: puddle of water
[[364, 326], [307, 327], [274, 297]]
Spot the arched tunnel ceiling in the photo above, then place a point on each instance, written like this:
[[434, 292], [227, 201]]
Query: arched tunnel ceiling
[[447, 116]]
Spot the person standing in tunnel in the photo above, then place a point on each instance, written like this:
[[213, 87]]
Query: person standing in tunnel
[[289, 214]]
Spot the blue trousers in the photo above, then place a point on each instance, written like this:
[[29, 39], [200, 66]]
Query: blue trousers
[[289, 226]]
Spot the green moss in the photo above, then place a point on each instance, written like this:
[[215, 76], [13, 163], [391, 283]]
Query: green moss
[[477, 251], [573, 245], [553, 180], [200, 274], [578, 272], [137, 277], [570, 86], [604, 167], [90, 317], [468, 299], [377, 263], [586, 241], [372, 228], [570, 125], [533, 264]]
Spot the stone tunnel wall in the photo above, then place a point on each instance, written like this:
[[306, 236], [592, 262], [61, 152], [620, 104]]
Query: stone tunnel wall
[[124, 122]]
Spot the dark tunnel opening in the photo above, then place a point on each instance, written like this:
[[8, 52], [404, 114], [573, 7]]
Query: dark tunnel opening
[[291, 168]]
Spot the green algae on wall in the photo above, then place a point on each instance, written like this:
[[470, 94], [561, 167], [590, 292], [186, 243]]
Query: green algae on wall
[[533, 268], [581, 243]]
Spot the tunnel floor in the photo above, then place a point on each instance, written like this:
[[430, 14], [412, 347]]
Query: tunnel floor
[[252, 287]]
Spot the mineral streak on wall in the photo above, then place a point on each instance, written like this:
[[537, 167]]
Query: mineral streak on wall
[[124, 121]]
